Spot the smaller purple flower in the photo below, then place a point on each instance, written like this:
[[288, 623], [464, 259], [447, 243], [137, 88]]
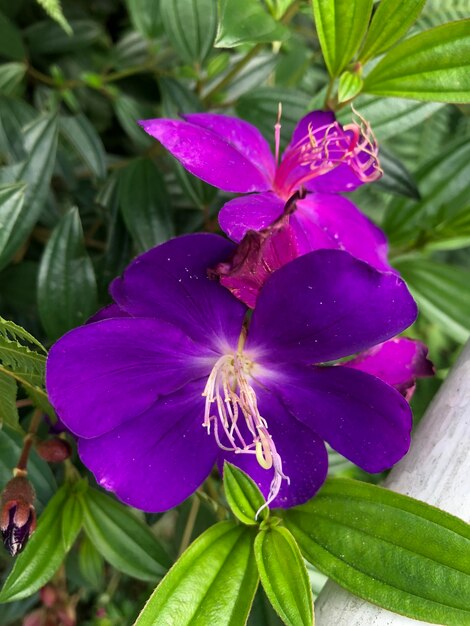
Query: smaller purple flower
[[183, 378], [398, 362]]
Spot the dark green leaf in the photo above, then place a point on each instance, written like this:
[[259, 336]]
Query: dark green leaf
[[144, 203], [11, 207], [11, 44], [66, 280], [284, 576], [128, 111], [257, 26], [213, 583], [396, 178], [442, 292], [145, 16], [8, 411], [11, 76], [81, 134], [176, 98], [399, 553], [72, 515], [434, 65], [43, 554], [341, 26], [243, 495], [40, 139], [122, 539], [391, 21], [47, 37], [191, 26], [262, 613], [91, 563]]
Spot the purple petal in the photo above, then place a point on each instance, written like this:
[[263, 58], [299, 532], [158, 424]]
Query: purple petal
[[330, 221], [106, 313], [313, 120], [170, 283], [245, 137], [100, 375], [361, 417], [215, 159], [303, 454], [326, 305], [158, 459], [398, 362], [254, 212]]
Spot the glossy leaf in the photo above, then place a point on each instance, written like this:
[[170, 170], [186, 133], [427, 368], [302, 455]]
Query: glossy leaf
[[121, 538], [42, 555], [243, 496], [11, 207], [349, 86], [72, 516], [128, 110], [66, 281], [11, 76], [396, 178], [433, 65], [442, 292], [257, 26], [81, 134], [11, 43], [144, 203], [91, 563], [396, 552], [391, 21], [145, 16], [212, 583], [191, 27], [341, 26], [8, 411], [284, 576]]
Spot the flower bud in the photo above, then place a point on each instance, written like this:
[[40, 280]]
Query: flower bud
[[17, 514], [54, 450]]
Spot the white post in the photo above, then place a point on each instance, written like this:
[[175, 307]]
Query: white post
[[435, 470]]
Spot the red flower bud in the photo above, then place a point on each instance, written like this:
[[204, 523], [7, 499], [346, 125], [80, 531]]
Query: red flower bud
[[17, 514], [54, 450]]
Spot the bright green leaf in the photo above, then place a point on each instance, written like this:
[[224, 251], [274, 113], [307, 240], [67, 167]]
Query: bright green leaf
[[392, 20], [243, 495], [66, 281], [396, 552], [284, 576], [72, 519], [8, 411], [191, 26], [81, 134], [11, 44], [434, 65], [144, 203], [257, 26], [349, 86], [212, 583], [122, 539], [341, 26], [54, 9]]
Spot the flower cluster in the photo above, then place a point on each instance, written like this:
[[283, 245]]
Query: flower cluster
[[219, 350]]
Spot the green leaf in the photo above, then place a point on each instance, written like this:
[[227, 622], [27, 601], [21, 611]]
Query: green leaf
[[145, 17], [91, 563], [243, 495], [66, 281], [212, 583], [72, 515], [81, 134], [11, 208], [349, 86], [442, 292], [176, 98], [54, 9], [144, 203], [396, 552], [396, 178], [128, 110], [190, 26], [47, 37], [43, 553], [257, 26], [434, 65], [122, 539], [341, 26], [284, 576], [11, 43], [8, 411], [40, 140], [11, 76], [392, 20]]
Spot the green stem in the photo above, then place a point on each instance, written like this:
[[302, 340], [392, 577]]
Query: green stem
[[188, 529]]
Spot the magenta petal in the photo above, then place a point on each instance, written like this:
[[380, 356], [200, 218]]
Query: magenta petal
[[326, 305], [313, 120], [253, 212], [103, 374], [303, 454], [398, 362], [205, 154], [361, 417], [170, 283], [245, 137], [330, 221], [158, 459]]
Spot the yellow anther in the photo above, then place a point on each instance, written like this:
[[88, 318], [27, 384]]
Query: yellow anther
[[263, 453]]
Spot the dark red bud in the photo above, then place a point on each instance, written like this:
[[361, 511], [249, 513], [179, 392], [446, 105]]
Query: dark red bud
[[54, 450], [17, 515]]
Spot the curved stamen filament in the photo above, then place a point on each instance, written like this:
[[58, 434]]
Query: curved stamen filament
[[229, 389]]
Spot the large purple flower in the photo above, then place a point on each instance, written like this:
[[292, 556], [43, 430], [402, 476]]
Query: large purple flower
[[179, 377], [323, 159]]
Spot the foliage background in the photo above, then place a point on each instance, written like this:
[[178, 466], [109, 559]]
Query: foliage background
[[99, 191]]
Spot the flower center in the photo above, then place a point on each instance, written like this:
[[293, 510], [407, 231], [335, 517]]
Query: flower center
[[238, 425]]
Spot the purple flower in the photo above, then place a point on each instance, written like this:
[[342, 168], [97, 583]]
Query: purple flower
[[398, 362], [184, 378], [323, 158]]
